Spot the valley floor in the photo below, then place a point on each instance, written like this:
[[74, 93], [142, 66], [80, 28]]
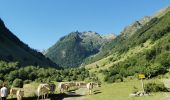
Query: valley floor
[[114, 91]]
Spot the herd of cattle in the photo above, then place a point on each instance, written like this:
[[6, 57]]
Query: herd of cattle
[[45, 89]]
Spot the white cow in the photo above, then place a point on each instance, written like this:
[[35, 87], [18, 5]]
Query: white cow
[[13, 92], [43, 90], [72, 85], [81, 84], [19, 94], [90, 87]]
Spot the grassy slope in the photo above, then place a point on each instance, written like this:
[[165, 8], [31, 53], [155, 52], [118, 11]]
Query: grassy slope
[[121, 91], [106, 63]]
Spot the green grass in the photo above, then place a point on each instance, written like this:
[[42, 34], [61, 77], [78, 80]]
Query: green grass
[[114, 91], [121, 91]]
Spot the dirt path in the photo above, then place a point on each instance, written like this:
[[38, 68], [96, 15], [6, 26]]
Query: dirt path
[[77, 95]]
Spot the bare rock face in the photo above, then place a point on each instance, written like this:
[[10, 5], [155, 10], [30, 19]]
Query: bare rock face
[[131, 29], [89, 33], [109, 37]]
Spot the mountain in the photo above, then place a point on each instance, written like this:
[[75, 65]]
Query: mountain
[[126, 34], [12, 49], [145, 51], [71, 50], [131, 29]]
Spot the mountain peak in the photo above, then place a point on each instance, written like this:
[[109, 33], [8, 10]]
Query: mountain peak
[[131, 29], [75, 47], [88, 33], [109, 36]]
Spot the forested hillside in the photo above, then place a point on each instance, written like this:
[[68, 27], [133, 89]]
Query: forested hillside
[[71, 50], [13, 49], [11, 72], [146, 51]]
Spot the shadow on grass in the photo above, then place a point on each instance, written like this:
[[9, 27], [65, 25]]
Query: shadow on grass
[[97, 91], [52, 97]]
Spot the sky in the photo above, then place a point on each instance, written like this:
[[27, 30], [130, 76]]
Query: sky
[[40, 23]]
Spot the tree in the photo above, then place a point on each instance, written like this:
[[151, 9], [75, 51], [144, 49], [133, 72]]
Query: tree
[[18, 83]]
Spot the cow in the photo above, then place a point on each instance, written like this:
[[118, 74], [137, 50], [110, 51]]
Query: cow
[[81, 84], [13, 92], [72, 85], [19, 94], [90, 87], [63, 87], [52, 88], [43, 90]]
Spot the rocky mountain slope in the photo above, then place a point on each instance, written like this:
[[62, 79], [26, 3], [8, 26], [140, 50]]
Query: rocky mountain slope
[[71, 50]]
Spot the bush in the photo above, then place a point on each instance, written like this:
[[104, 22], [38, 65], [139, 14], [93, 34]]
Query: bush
[[150, 54], [27, 81], [155, 87], [113, 78], [18, 83]]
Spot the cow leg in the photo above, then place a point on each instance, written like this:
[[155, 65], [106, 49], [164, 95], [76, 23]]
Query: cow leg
[[12, 95], [47, 95], [20, 98], [90, 92], [38, 96]]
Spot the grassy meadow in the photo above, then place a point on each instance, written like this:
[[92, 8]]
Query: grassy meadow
[[121, 91], [114, 91]]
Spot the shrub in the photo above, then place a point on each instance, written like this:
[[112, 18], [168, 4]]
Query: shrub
[[18, 83], [27, 81], [155, 87], [150, 54]]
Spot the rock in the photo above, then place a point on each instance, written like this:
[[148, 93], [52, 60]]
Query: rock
[[133, 95]]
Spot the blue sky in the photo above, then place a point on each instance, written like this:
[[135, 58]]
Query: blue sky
[[40, 23]]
